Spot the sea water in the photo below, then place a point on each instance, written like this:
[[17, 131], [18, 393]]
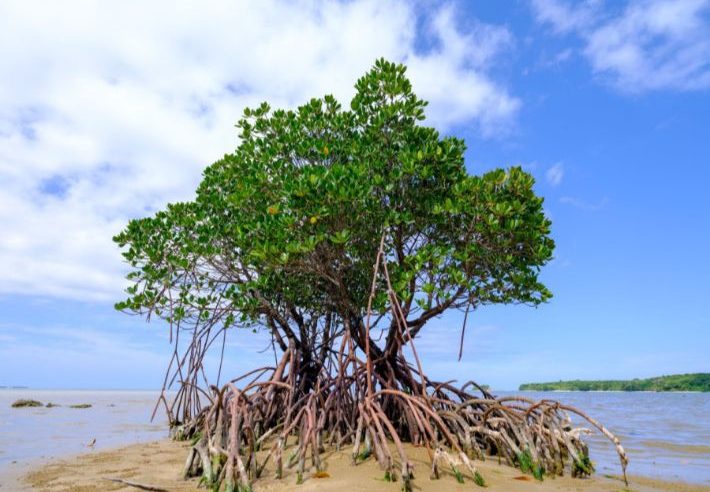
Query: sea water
[[115, 418], [666, 435]]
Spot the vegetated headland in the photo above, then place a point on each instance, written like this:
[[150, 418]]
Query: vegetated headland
[[678, 382]]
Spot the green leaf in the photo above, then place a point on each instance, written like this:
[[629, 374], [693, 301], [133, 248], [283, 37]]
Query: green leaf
[[292, 219]]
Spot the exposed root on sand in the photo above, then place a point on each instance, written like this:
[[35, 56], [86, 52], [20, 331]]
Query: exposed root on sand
[[373, 401]]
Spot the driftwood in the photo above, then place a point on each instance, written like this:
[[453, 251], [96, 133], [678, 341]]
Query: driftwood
[[136, 485]]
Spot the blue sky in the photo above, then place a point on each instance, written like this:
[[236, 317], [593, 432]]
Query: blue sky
[[108, 115]]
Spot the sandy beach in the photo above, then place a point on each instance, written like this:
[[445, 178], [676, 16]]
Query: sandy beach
[[159, 464]]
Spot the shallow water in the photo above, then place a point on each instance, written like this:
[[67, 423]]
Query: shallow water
[[666, 435], [115, 418]]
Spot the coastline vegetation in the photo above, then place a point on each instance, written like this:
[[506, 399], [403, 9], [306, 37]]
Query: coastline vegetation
[[677, 382]]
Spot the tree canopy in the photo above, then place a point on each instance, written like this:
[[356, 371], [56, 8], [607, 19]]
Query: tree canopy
[[284, 232], [324, 224]]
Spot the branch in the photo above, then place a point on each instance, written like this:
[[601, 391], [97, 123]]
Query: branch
[[136, 485]]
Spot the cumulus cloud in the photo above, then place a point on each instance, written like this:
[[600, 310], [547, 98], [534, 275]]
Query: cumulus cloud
[[109, 111], [648, 45]]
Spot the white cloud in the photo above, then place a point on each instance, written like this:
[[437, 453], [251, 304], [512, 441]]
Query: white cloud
[[558, 58], [109, 111], [555, 174], [584, 205], [476, 97], [563, 17], [649, 45]]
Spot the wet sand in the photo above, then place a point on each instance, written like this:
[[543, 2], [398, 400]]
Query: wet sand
[[160, 464]]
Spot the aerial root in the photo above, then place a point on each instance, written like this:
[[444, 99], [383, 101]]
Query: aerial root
[[241, 430]]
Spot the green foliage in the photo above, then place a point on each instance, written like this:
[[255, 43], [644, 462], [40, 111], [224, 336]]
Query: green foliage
[[680, 382], [218, 460], [291, 458], [458, 475], [582, 465], [525, 461], [285, 229], [195, 439], [364, 454], [528, 465], [478, 479]]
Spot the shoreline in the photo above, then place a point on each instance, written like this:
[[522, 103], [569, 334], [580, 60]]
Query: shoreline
[[159, 463], [605, 391]]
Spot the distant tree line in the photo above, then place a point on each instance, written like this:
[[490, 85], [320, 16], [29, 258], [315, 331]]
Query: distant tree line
[[678, 382]]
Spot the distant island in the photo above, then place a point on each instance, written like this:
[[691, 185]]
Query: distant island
[[679, 382]]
